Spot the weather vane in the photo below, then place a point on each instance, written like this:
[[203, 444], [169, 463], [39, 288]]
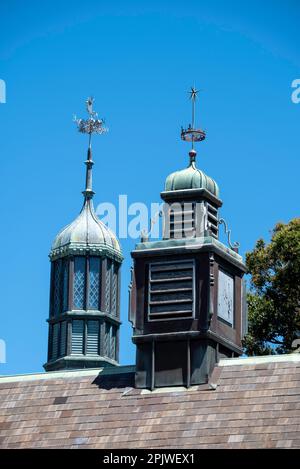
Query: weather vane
[[92, 125], [191, 134]]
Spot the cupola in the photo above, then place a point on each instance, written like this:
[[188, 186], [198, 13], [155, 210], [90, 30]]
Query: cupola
[[85, 257], [187, 296]]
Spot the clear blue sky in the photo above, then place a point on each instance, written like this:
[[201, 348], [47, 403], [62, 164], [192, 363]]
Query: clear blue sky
[[138, 58]]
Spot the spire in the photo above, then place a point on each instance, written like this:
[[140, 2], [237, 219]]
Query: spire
[[90, 126], [192, 134]]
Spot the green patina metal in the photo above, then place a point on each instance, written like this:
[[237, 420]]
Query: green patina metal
[[191, 178], [205, 243], [84, 300], [86, 235]]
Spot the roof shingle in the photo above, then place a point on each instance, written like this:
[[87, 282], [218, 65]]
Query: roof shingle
[[251, 403]]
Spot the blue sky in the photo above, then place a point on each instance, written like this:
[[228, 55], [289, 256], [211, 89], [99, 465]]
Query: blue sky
[[138, 59]]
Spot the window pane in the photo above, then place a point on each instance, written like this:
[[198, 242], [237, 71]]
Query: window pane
[[107, 285], [56, 287], [92, 343], [77, 336], [79, 282], [114, 289], [65, 284], [94, 279]]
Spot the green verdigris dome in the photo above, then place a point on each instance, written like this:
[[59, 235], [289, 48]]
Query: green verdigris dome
[[191, 178], [86, 233]]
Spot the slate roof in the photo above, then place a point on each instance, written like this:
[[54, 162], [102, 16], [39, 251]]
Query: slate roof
[[249, 403]]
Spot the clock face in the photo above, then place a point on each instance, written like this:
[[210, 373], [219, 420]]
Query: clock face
[[225, 297]]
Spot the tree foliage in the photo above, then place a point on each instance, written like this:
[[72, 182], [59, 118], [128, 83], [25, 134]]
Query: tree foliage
[[274, 297]]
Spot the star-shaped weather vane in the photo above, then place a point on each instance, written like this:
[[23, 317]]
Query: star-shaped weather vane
[[193, 97], [191, 134], [193, 93]]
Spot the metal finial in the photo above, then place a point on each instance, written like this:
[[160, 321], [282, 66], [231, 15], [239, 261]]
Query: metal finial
[[191, 134], [92, 125]]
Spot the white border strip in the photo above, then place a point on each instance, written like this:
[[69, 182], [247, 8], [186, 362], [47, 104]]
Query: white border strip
[[289, 357], [67, 374]]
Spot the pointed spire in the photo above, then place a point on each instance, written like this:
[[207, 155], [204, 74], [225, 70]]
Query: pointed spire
[[90, 126], [192, 134]]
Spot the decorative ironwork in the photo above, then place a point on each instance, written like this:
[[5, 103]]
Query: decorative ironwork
[[234, 246], [144, 234], [92, 125], [191, 134]]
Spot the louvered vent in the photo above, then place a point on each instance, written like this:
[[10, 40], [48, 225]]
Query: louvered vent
[[182, 220], [171, 290], [77, 336], [63, 338], [92, 342], [107, 340], [55, 335], [113, 343], [212, 219]]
